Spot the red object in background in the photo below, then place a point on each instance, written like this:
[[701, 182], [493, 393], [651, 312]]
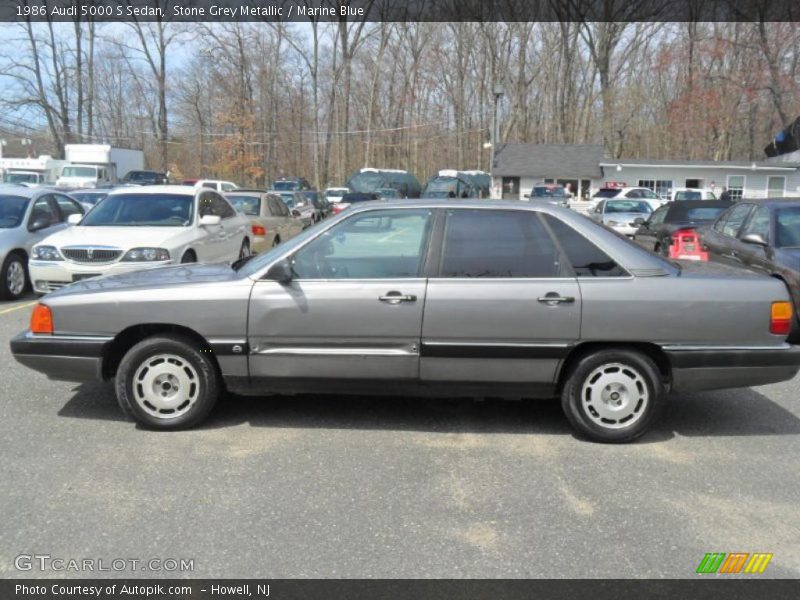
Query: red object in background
[[189, 181], [614, 184], [259, 230], [686, 246], [337, 208]]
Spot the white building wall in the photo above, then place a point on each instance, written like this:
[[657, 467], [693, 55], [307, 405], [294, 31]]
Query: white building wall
[[755, 181]]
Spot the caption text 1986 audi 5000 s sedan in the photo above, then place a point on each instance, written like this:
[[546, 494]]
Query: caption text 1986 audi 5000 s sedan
[[465, 298]]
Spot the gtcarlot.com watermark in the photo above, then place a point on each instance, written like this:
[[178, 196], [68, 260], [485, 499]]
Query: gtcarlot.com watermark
[[46, 562]]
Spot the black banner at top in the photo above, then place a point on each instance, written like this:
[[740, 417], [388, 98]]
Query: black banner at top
[[399, 10]]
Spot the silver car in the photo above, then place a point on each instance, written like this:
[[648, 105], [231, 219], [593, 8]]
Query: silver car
[[424, 297], [623, 216], [27, 216]]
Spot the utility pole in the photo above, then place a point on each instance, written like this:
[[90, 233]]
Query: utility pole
[[497, 91]]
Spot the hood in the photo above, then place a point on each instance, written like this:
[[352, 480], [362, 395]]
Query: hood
[[117, 237], [158, 277]]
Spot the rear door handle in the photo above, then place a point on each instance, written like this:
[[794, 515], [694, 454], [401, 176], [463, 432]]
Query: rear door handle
[[397, 298], [553, 298]]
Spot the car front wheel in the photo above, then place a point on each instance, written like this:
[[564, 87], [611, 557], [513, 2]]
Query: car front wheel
[[167, 382], [613, 395]]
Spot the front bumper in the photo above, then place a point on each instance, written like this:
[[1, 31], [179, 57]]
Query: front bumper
[[48, 276], [697, 368], [65, 358]]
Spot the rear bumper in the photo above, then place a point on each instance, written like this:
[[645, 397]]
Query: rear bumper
[[65, 358], [707, 368]]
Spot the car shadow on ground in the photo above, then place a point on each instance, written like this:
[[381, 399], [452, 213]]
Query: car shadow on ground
[[742, 412]]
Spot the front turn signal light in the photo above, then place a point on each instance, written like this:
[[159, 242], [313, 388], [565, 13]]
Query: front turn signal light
[[41, 319], [780, 322]]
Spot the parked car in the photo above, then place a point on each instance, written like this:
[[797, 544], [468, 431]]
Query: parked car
[[629, 192], [27, 216], [681, 194], [322, 207], [146, 178], [553, 193], [621, 215], [291, 184], [524, 300], [139, 228], [671, 230], [354, 198], [297, 201], [334, 194], [216, 184], [271, 221], [90, 196], [763, 236]]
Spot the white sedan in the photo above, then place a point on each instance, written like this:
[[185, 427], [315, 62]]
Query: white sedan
[[138, 228]]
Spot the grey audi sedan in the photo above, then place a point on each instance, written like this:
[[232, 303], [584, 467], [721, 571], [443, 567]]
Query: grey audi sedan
[[424, 297]]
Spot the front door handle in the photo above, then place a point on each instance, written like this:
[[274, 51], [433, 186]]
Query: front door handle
[[397, 298], [552, 298]]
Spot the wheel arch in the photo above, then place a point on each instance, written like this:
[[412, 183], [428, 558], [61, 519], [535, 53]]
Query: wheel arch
[[129, 337], [578, 352]]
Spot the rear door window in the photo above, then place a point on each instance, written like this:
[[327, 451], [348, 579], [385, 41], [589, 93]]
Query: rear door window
[[498, 244]]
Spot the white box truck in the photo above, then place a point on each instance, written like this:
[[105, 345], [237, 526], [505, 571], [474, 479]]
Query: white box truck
[[32, 172], [94, 165]]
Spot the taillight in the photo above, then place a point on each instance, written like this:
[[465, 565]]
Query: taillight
[[41, 319], [259, 230], [780, 321]]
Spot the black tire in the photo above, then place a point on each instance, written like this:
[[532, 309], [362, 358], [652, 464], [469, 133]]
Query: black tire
[[14, 267], [186, 357], [188, 257], [591, 385]]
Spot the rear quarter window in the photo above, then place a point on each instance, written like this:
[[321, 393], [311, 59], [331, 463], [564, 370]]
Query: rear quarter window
[[587, 259]]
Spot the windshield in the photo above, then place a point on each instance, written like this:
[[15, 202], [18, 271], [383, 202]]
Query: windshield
[[88, 197], [366, 182], [688, 195], [607, 193], [248, 205], [22, 178], [787, 227], [547, 191], [335, 192], [142, 210], [286, 185], [12, 211], [353, 198], [141, 176], [699, 214], [262, 259], [79, 172], [628, 206]]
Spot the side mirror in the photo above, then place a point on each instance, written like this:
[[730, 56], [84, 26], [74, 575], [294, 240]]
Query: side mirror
[[207, 220], [639, 221], [281, 271], [74, 219], [40, 223], [754, 238]]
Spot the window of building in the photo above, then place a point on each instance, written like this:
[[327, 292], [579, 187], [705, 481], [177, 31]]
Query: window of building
[[776, 185], [736, 186], [662, 187]]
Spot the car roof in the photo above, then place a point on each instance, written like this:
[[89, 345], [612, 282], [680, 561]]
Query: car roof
[[21, 190], [772, 202], [179, 190]]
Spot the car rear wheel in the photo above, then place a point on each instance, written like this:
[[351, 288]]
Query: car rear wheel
[[167, 383], [13, 278], [613, 395]]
